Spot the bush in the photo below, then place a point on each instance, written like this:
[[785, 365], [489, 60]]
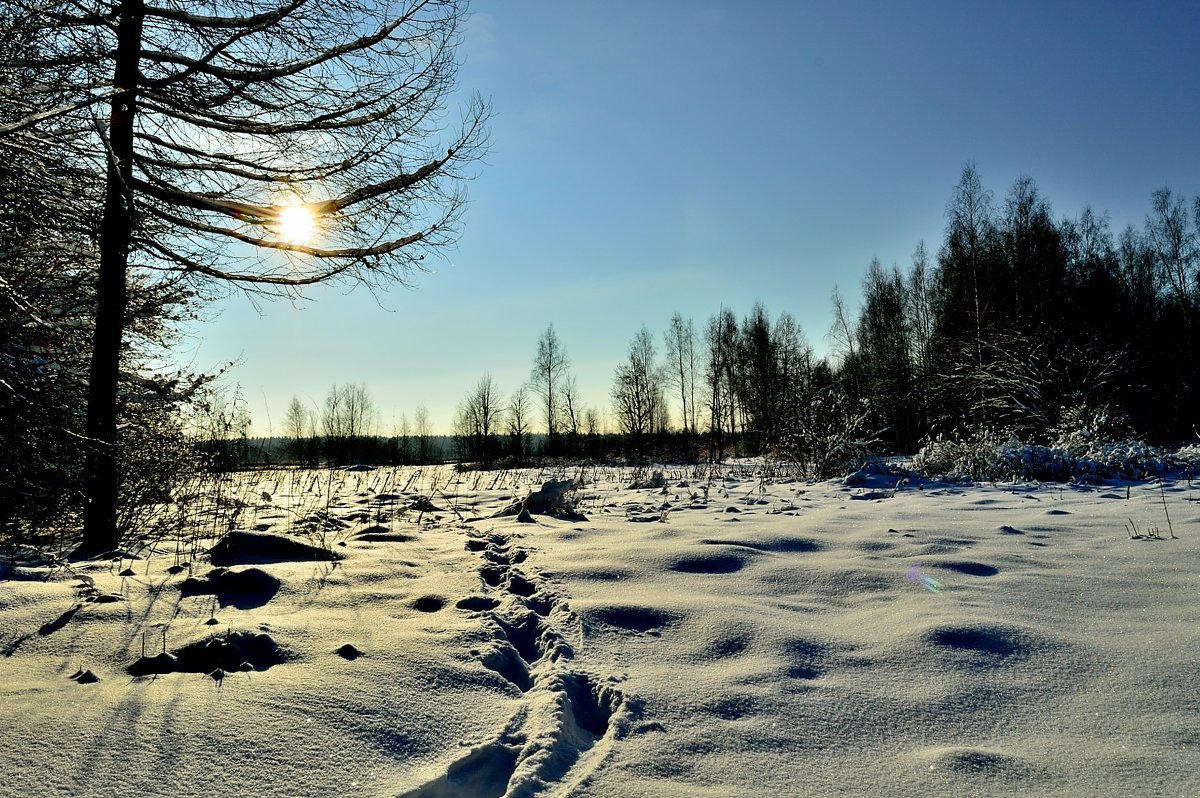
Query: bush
[[830, 439], [1076, 457]]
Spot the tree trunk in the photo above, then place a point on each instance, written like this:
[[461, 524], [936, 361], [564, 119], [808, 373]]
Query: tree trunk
[[100, 478]]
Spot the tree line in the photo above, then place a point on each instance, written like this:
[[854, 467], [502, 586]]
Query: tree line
[[1019, 325]]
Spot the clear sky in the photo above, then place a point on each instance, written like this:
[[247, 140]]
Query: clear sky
[[654, 156]]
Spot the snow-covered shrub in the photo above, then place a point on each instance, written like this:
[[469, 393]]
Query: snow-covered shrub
[[1187, 460], [988, 457], [830, 439], [1130, 459], [974, 457], [873, 471], [1077, 457], [1029, 462], [1081, 426]]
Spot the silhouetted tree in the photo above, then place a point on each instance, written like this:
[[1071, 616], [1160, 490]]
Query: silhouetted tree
[[680, 340], [758, 383], [518, 425], [300, 428], [424, 434], [477, 424], [348, 418], [967, 273], [921, 319], [50, 195], [219, 126], [638, 393], [720, 371], [1172, 239], [550, 366], [885, 356]]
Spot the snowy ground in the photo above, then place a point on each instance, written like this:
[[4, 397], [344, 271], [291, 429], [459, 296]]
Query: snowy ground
[[731, 636]]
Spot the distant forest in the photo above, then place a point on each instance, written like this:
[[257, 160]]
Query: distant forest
[[1019, 326]]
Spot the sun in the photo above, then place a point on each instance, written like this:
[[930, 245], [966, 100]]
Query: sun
[[296, 224]]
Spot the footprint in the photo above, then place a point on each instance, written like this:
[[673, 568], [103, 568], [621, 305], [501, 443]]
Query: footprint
[[578, 719], [731, 706], [709, 564], [477, 603], [556, 736], [778, 545], [428, 604], [492, 576], [978, 763], [631, 618], [533, 638], [542, 605], [806, 659], [506, 661], [598, 574], [730, 645], [969, 568], [993, 641], [520, 585], [875, 546], [504, 557], [483, 773], [591, 706], [942, 541]]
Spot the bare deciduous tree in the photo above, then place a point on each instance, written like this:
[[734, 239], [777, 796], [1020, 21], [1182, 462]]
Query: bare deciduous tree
[[638, 391], [300, 428], [402, 431], [1176, 248], [681, 356], [550, 366], [518, 425], [349, 416], [349, 412], [477, 423], [424, 434], [572, 410], [720, 371]]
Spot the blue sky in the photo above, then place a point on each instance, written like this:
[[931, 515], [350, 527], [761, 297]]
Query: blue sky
[[667, 155]]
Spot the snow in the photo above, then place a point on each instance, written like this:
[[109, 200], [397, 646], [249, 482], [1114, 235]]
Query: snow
[[731, 634]]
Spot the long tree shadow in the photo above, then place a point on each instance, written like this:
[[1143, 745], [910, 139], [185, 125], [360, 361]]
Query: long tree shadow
[[50, 627], [11, 647]]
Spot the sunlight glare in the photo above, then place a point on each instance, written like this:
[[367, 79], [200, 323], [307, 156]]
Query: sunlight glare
[[296, 224]]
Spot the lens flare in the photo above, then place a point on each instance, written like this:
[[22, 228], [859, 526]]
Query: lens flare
[[928, 582]]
